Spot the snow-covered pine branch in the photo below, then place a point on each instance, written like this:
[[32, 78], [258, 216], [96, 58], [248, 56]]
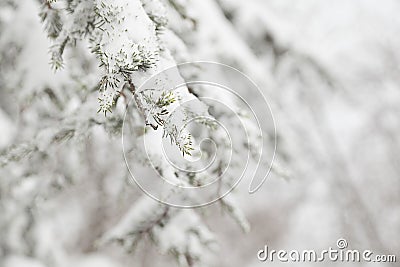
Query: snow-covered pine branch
[[129, 40]]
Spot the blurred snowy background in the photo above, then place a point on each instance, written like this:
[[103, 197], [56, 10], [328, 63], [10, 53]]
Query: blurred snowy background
[[331, 73]]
